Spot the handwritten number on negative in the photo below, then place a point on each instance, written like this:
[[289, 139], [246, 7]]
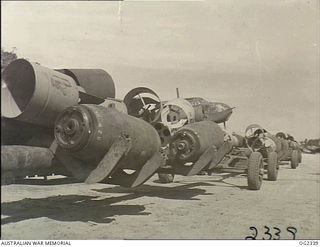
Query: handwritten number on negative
[[277, 233], [293, 231], [267, 233], [273, 234], [255, 233]]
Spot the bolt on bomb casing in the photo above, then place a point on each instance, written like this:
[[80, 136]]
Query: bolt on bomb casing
[[192, 140], [89, 132]]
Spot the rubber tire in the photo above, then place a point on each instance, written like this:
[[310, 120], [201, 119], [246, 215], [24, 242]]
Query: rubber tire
[[300, 156], [165, 178], [294, 159], [255, 166], [272, 166]]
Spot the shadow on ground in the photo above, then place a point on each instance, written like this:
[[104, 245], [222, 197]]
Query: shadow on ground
[[69, 208], [181, 192], [91, 208], [225, 176]]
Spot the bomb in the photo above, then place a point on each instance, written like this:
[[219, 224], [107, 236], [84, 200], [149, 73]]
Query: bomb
[[194, 146], [98, 144], [32, 96], [191, 141]]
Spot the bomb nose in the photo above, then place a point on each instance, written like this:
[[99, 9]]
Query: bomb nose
[[182, 145], [72, 128]]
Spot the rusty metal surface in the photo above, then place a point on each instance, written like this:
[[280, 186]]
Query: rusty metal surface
[[35, 94], [96, 82]]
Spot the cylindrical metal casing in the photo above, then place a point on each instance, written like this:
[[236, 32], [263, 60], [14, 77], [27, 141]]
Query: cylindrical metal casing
[[190, 141], [276, 141], [117, 104], [88, 131], [284, 145], [178, 109], [21, 161], [237, 140], [35, 94], [198, 113], [96, 82], [196, 104], [23, 158]]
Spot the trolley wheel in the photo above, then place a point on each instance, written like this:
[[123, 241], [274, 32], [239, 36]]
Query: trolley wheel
[[255, 171], [294, 159], [272, 166], [300, 156]]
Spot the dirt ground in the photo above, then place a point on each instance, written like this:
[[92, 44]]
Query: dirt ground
[[199, 207]]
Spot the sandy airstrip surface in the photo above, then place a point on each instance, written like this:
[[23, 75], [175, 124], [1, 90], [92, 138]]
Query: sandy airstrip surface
[[199, 207]]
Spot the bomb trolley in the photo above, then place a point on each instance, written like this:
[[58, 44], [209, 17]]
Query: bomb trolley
[[204, 146], [292, 150]]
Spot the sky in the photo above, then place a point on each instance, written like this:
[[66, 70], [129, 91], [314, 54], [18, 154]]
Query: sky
[[261, 57]]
